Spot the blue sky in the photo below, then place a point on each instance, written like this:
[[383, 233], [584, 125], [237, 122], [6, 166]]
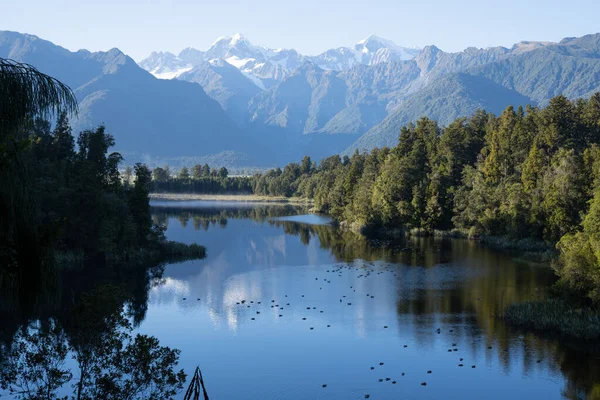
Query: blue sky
[[140, 26]]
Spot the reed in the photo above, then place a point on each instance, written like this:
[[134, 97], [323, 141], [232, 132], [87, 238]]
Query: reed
[[555, 316]]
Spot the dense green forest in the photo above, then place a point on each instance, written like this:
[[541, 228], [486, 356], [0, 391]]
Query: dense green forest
[[64, 200], [81, 207], [202, 179], [530, 174]]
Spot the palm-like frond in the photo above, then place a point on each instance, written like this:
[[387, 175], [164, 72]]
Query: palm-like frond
[[26, 93]]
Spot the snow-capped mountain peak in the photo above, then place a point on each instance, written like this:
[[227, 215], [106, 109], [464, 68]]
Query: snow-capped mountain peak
[[237, 46], [231, 40], [374, 43], [369, 51], [381, 50], [165, 65], [265, 67]]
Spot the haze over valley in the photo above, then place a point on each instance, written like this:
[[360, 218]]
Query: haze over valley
[[238, 104]]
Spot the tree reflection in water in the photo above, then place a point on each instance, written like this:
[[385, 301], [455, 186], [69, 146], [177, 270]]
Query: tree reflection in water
[[81, 345], [477, 305], [89, 352]]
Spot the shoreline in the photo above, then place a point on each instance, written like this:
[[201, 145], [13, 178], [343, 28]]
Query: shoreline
[[528, 246], [242, 198]]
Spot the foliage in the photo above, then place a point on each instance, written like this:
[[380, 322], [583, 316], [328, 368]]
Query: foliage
[[555, 316], [525, 176], [82, 205], [27, 93], [111, 362], [579, 264]]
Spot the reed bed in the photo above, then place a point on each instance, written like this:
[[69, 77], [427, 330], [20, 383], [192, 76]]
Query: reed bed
[[555, 316]]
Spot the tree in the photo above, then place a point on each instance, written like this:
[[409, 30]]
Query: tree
[[63, 138], [223, 173], [111, 362], [306, 165], [564, 196], [127, 176], [197, 171], [184, 173], [579, 262], [160, 174], [139, 203], [26, 94], [34, 367]]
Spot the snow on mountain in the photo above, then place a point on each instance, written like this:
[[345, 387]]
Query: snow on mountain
[[266, 67], [288, 58], [165, 65], [262, 66], [369, 51], [192, 56]]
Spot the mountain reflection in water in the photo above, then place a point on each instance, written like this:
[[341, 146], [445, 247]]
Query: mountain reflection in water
[[245, 313], [418, 285]]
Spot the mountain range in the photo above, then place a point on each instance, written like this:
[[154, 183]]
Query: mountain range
[[264, 66], [238, 104]]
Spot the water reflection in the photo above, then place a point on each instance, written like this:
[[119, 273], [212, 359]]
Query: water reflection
[[415, 305], [258, 263], [88, 352]]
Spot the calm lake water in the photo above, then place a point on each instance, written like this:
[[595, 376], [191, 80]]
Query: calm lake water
[[284, 304]]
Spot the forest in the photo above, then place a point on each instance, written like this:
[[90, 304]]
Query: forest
[[74, 204], [202, 179], [530, 175], [67, 214]]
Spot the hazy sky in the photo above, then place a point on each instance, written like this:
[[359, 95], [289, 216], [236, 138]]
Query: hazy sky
[[138, 27]]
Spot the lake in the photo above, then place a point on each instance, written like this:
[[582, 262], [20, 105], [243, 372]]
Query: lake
[[287, 307], [284, 304]]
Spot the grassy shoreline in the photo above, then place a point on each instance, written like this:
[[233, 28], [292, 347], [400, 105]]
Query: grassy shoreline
[[530, 247], [167, 251], [555, 316], [245, 198]]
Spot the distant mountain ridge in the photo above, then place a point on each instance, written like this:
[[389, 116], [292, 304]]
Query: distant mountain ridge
[[344, 90], [529, 73], [264, 66], [147, 116], [250, 106]]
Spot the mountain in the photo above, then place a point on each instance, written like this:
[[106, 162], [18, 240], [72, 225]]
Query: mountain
[[165, 65], [450, 85], [251, 60], [265, 66], [224, 83], [249, 106], [267, 69], [570, 68], [313, 100], [354, 100], [450, 97], [303, 102], [370, 51], [149, 117], [376, 86], [262, 66]]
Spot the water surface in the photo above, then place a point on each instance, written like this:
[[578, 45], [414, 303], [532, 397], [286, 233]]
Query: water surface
[[282, 306]]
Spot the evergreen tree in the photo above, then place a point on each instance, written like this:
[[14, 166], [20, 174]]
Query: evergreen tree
[[223, 172], [197, 171], [184, 173], [139, 202]]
